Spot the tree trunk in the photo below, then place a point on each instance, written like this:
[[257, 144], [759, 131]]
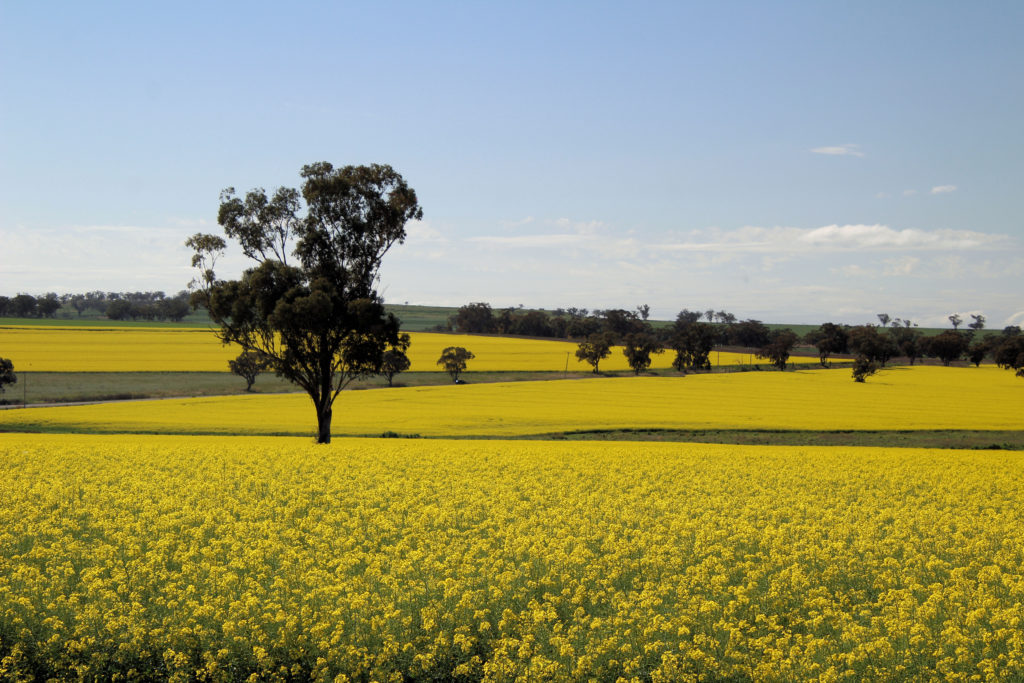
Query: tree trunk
[[323, 422]]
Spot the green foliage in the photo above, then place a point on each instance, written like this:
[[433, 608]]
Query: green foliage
[[692, 342], [453, 360], [248, 365], [863, 368], [828, 339], [319, 321], [948, 346], [594, 349], [638, 348], [1010, 354], [908, 340], [474, 318], [777, 350], [7, 375], [394, 360], [866, 341]]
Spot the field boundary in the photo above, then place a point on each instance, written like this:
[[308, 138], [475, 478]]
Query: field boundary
[[943, 439]]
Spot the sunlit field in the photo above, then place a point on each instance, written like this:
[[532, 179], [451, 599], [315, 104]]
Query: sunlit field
[[904, 398], [212, 559], [120, 349]]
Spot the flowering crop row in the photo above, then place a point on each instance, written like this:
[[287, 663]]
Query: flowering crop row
[[215, 559], [120, 349], [898, 398]]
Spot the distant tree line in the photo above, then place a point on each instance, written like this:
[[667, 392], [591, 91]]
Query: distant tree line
[[580, 323], [112, 305], [875, 345], [694, 334]]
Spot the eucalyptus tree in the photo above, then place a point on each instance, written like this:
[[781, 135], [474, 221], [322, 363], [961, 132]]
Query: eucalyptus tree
[[309, 303]]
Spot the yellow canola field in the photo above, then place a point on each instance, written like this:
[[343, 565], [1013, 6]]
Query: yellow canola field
[[204, 558], [926, 397], [122, 349]]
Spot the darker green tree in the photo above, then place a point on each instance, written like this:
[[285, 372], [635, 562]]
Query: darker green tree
[[693, 343], [977, 350], [621, 322], [908, 341], [533, 324], [249, 365], [948, 346], [48, 305], [594, 349], [750, 333], [7, 375], [395, 360], [828, 339], [22, 306], [863, 368], [316, 316], [475, 318], [866, 341], [780, 345], [1010, 353], [453, 360], [638, 348]]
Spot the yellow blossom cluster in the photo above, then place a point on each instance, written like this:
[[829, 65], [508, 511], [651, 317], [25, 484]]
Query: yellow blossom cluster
[[922, 397], [214, 559], [190, 349]]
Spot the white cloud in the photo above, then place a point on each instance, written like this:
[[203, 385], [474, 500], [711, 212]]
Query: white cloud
[[854, 270], [849, 149], [943, 189], [422, 231], [902, 266], [882, 236], [909, 193], [530, 241], [830, 238]]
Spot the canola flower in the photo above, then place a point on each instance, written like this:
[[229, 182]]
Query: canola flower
[[189, 349], [214, 559], [905, 398]]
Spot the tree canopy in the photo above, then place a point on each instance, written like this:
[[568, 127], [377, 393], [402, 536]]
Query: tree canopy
[[453, 360], [595, 348], [394, 360], [316, 317], [638, 347], [780, 345], [249, 365], [7, 375]]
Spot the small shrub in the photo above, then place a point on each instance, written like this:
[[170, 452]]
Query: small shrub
[[863, 368]]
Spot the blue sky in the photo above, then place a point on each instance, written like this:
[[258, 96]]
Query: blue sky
[[793, 162]]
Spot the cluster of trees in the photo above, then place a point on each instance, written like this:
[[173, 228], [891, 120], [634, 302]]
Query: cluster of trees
[[28, 306], [900, 338], [691, 339], [113, 305], [693, 335], [580, 323]]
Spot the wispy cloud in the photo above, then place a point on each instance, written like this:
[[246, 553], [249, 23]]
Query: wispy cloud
[[902, 266], [943, 189], [882, 237], [847, 150], [832, 238], [530, 241]]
